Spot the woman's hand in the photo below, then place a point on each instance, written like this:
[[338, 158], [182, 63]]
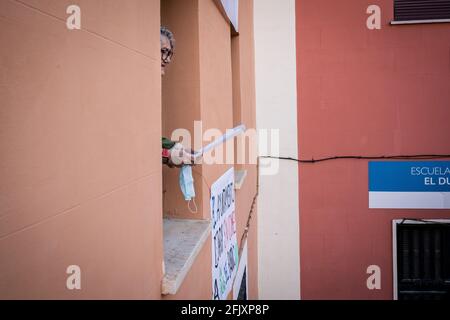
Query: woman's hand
[[179, 156]]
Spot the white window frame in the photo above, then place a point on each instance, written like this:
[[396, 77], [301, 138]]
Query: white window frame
[[395, 22], [394, 244]]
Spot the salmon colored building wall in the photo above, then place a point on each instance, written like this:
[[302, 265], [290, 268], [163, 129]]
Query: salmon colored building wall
[[244, 112], [181, 95], [209, 80], [369, 93], [81, 119], [79, 130]]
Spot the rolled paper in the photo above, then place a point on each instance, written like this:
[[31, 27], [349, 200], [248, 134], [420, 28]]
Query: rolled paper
[[227, 136]]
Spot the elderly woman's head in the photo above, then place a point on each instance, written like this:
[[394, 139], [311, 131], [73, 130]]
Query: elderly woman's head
[[167, 48]]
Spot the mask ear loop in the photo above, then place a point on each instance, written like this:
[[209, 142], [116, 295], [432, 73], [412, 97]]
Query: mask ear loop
[[195, 206]]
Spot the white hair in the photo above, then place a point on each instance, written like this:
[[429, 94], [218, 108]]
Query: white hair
[[167, 33]]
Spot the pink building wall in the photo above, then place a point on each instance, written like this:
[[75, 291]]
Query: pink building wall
[[369, 93]]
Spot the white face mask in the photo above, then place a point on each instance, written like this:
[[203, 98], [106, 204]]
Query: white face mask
[[187, 186]]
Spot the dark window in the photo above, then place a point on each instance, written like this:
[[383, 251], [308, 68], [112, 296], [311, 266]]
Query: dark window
[[406, 10], [423, 261]]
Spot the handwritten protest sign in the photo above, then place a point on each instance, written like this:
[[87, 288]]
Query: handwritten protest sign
[[224, 242]]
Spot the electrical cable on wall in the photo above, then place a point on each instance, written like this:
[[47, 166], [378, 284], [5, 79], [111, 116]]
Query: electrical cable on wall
[[312, 161], [399, 157]]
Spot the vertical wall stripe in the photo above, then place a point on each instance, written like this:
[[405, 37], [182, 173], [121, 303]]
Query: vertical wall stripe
[[276, 108]]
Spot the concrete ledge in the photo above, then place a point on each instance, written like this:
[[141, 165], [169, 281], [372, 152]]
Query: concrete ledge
[[183, 240]]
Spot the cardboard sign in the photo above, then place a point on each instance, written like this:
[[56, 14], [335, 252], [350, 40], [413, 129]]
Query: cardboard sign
[[224, 241]]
